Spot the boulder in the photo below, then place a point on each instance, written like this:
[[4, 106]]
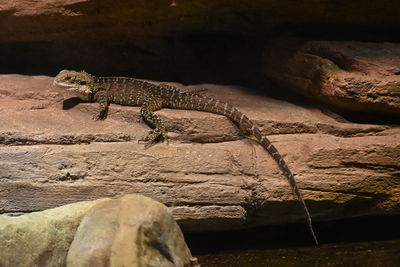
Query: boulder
[[132, 230], [41, 238], [53, 153], [357, 76]]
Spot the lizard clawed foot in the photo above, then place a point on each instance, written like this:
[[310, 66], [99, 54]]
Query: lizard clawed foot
[[99, 117], [147, 144], [140, 120], [152, 138]]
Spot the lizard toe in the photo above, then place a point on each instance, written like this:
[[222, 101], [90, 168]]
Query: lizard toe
[[98, 117], [152, 138]]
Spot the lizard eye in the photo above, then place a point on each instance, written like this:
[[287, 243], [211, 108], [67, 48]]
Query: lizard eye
[[82, 82], [68, 78]]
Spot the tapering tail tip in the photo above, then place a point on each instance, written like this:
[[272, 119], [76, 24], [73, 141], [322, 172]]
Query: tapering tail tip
[[315, 237], [309, 222]]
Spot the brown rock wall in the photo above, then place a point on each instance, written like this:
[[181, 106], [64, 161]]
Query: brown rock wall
[[209, 177], [348, 75], [106, 19], [193, 41]]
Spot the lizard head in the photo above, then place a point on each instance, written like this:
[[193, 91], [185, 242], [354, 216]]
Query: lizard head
[[78, 81]]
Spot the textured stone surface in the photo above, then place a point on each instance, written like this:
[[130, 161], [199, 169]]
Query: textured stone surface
[[350, 75], [130, 231], [40, 238], [208, 175], [193, 41], [63, 19]]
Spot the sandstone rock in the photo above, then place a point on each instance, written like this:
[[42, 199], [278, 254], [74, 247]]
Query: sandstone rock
[[349, 75], [40, 238], [191, 42], [209, 176], [69, 19], [130, 231]]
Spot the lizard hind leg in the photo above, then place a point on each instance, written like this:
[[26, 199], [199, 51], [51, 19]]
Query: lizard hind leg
[[153, 120], [101, 98]]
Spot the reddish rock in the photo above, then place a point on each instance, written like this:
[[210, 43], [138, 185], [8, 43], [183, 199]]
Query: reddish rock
[[348, 75], [207, 174], [190, 42], [88, 20]]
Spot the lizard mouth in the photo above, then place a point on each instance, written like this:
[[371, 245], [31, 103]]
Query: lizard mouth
[[60, 84], [68, 87], [73, 88]]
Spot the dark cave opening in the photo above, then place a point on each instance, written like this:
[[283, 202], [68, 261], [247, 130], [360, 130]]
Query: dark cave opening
[[360, 229], [218, 58]]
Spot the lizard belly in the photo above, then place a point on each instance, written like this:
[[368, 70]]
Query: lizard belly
[[124, 97]]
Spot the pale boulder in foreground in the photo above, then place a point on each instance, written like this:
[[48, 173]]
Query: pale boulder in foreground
[[132, 230]]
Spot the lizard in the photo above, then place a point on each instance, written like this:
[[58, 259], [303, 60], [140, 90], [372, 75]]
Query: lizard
[[152, 97]]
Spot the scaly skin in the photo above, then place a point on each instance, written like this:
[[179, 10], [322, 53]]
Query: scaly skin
[[151, 97]]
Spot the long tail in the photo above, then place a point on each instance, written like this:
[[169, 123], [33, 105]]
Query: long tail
[[249, 126], [196, 102]]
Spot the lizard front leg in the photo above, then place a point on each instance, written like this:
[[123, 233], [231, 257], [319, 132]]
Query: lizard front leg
[[101, 98], [147, 112]]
